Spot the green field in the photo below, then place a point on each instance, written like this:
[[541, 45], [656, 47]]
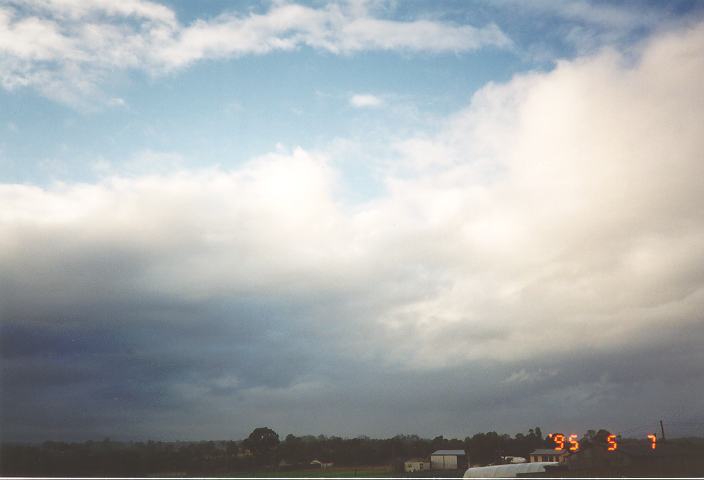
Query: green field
[[364, 471], [347, 472]]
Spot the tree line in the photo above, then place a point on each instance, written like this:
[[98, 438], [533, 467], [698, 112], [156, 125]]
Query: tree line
[[263, 449]]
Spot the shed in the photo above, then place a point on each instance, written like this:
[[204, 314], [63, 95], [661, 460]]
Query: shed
[[322, 465], [448, 460], [416, 465]]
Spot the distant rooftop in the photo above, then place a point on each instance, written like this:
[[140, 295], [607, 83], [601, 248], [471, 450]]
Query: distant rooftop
[[448, 452], [547, 451]]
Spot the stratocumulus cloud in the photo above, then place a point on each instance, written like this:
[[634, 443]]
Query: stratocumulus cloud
[[66, 50], [365, 100], [545, 247]]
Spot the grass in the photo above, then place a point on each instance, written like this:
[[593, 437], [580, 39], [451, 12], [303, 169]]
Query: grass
[[363, 471]]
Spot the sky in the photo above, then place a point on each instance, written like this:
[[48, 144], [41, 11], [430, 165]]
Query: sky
[[350, 218]]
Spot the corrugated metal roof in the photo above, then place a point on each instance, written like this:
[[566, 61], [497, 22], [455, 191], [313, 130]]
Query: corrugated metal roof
[[547, 451], [448, 452]]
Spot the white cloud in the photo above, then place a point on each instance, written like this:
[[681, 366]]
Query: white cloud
[[524, 376], [88, 9], [362, 100], [117, 102], [558, 211], [66, 49]]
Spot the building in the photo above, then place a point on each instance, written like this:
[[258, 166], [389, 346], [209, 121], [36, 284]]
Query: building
[[416, 465], [322, 465], [448, 460], [244, 453], [547, 455]]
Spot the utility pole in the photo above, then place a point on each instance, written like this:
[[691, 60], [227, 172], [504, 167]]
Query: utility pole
[[662, 431]]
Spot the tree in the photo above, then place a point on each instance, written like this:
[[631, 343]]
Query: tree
[[262, 442]]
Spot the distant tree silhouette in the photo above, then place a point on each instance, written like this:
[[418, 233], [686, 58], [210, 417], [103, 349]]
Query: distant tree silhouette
[[263, 442], [209, 458]]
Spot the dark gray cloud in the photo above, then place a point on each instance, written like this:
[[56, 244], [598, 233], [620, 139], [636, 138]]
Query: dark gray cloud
[[208, 376], [564, 291]]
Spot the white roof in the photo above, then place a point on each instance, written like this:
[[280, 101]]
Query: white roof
[[448, 452], [506, 471]]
